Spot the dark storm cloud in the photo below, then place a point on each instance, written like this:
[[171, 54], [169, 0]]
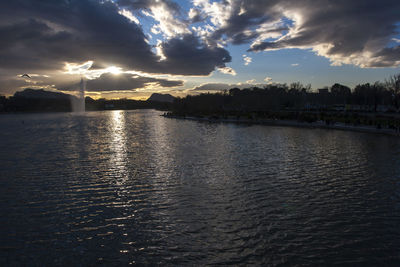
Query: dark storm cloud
[[359, 29], [31, 44], [386, 56], [184, 53], [45, 34], [355, 32], [121, 82], [254, 13], [241, 19], [190, 57]]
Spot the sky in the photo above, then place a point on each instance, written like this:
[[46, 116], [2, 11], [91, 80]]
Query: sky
[[133, 48]]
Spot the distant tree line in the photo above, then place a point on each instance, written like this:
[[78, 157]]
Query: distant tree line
[[377, 97], [31, 100], [124, 104], [380, 96]]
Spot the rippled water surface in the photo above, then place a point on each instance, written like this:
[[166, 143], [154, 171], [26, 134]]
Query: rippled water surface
[[122, 187]]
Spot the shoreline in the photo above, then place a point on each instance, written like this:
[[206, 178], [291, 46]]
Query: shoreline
[[292, 123]]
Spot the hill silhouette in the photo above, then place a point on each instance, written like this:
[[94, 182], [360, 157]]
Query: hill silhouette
[[161, 98], [41, 93], [40, 100]]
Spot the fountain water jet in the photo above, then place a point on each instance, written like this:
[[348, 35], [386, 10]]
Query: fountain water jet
[[78, 104]]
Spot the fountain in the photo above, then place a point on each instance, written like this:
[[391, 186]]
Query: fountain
[[78, 103]]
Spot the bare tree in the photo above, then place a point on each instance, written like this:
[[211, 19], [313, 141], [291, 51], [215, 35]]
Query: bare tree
[[393, 85]]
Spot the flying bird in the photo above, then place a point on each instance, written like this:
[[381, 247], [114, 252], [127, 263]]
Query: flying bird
[[25, 75]]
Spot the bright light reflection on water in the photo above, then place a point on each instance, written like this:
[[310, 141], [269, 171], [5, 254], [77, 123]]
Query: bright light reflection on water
[[118, 146], [122, 187]]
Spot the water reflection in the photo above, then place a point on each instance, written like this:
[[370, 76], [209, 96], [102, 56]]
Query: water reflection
[[118, 147], [121, 187]]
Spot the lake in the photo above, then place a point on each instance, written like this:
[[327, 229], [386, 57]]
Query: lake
[[132, 187]]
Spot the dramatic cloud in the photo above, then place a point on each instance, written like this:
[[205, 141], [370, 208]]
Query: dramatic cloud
[[167, 13], [68, 38], [47, 34], [122, 82], [355, 32], [239, 21], [195, 15], [128, 14], [187, 55]]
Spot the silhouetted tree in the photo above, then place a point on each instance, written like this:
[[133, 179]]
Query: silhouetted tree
[[393, 85], [341, 93]]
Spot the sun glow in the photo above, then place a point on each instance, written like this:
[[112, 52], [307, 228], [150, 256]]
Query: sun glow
[[76, 68], [113, 70]]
